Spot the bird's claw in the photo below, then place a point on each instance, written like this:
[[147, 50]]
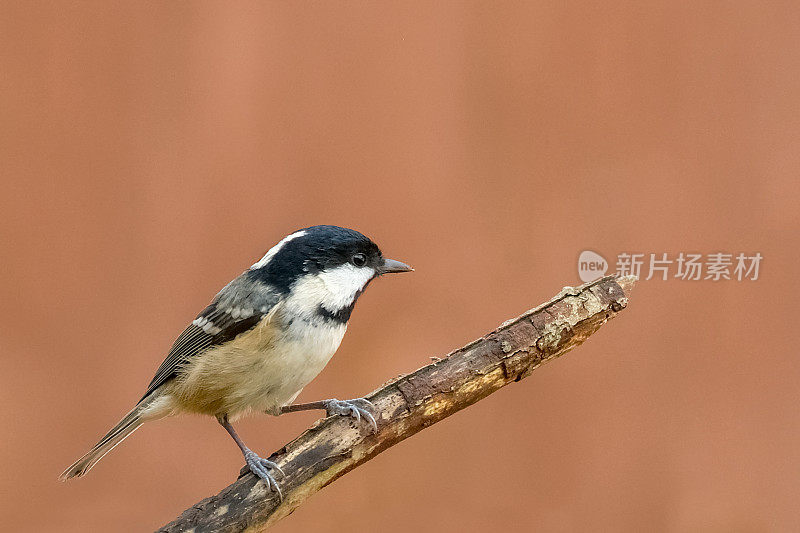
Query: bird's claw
[[358, 408], [261, 467]]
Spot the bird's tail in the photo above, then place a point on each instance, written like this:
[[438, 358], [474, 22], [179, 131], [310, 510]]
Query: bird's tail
[[118, 433]]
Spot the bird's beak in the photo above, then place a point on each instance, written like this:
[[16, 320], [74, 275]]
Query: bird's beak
[[391, 266]]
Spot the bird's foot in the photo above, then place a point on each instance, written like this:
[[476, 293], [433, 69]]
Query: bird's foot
[[261, 468], [358, 409]]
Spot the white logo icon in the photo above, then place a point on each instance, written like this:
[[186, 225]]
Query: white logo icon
[[591, 266]]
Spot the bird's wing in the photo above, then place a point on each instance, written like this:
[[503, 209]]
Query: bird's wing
[[239, 307]]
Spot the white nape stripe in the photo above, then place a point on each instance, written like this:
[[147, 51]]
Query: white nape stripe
[[333, 289], [275, 249]]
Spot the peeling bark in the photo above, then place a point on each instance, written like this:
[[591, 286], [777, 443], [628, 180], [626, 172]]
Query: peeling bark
[[334, 446]]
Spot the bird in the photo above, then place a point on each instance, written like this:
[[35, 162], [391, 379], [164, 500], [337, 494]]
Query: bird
[[261, 340]]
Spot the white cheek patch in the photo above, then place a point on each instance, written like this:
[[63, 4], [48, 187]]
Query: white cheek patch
[[333, 289], [275, 249], [343, 283]]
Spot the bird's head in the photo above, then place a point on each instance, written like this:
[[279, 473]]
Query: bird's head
[[323, 269]]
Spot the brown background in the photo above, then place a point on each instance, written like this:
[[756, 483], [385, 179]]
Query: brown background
[[152, 151]]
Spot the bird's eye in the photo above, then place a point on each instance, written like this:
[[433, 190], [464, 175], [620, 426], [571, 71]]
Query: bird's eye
[[359, 260]]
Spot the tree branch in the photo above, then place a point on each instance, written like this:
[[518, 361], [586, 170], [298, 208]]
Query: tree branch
[[334, 446]]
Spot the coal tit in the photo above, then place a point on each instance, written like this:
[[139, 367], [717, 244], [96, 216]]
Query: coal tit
[[262, 338]]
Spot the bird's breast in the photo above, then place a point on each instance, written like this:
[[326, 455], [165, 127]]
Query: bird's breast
[[261, 369]]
